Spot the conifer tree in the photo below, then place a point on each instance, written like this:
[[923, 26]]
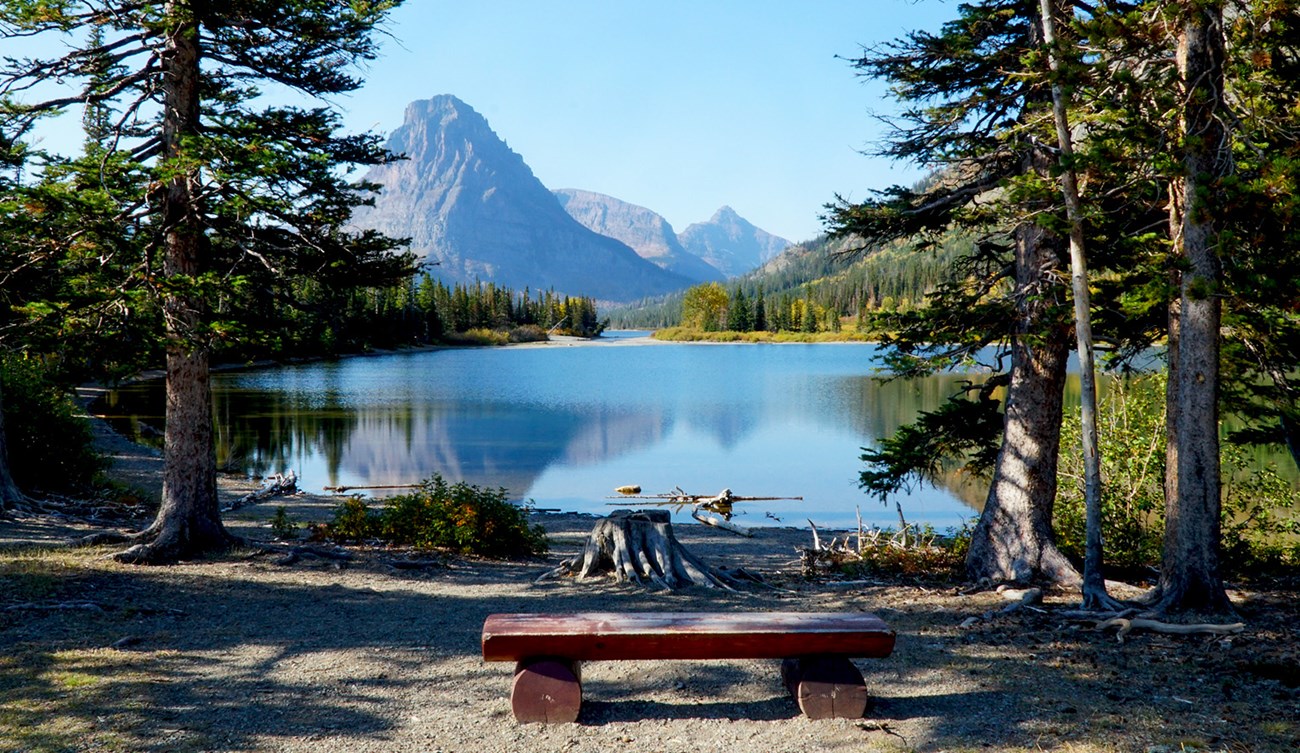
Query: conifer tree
[[975, 108], [740, 317], [239, 198], [760, 312]]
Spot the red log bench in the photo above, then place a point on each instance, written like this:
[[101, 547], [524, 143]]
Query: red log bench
[[815, 646]]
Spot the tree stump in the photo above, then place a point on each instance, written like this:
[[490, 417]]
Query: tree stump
[[639, 546]]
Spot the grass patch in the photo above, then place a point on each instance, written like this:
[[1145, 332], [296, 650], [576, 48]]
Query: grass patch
[[686, 334]]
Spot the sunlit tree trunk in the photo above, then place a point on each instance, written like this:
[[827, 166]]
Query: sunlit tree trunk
[[1094, 583], [1190, 577], [1013, 539], [189, 519]]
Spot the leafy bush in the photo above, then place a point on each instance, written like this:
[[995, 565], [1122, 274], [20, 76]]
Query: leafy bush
[[50, 445], [282, 525], [461, 517], [1131, 438], [1260, 531]]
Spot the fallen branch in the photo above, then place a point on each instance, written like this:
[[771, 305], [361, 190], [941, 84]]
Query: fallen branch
[[274, 486], [717, 521], [342, 489], [1126, 626]]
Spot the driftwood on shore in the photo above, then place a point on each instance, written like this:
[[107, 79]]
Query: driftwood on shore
[[273, 486], [712, 510], [640, 547]]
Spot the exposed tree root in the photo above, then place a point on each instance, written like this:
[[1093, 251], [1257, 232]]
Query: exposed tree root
[[1097, 599], [1020, 598], [1127, 625], [167, 545]]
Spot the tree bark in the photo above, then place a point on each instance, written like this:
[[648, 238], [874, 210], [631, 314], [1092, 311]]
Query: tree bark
[[10, 495], [1094, 583], [189, 520], [1013, 539], [1190, 578]]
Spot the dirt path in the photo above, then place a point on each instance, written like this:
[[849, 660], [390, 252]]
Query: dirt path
[[239, 653]]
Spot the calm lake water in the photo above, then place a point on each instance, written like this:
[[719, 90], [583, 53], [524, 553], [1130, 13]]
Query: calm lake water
[[564, 425]]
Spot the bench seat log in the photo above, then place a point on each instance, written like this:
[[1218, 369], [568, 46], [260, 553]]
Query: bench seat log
[[815, 646], [601, 636]]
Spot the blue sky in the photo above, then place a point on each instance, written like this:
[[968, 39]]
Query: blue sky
[[680, 106]]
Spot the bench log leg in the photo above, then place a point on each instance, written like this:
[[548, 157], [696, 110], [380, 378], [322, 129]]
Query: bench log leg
[[826, 687], [546, 691]]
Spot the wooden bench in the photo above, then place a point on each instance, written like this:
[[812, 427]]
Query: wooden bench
[[816, 647]]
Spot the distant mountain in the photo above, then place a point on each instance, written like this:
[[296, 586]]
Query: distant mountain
[[731, 243], [469, 203], [647, 233]]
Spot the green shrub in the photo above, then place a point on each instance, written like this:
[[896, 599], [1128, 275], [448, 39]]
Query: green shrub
[[1260, 532], [282, 525], [50, 444], [1131, 439], [460, 517], [353, 522]]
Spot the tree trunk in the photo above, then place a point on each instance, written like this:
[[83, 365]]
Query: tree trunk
[[189, 520], [1013, 539], [1190, 578], [1172, 409], [1094, 584], [10, 495]]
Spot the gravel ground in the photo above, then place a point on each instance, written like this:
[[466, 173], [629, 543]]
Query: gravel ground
[[242, 653]]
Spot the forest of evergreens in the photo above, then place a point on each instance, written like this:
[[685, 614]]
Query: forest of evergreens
[[817, 286]]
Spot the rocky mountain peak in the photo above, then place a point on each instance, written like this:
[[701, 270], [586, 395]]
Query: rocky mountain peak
[[731, 243], [470, 203], [645, 231]]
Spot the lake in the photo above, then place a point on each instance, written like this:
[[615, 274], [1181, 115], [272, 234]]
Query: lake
[[565, 423]]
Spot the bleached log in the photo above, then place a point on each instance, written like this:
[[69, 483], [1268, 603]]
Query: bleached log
[[274, 486], [718, 521]]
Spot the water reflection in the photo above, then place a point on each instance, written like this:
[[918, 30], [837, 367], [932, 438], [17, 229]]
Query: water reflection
[[565, 425]]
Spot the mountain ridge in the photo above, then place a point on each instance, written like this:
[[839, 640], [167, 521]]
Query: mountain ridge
[[731, 243], [473, 206], [644, 230]]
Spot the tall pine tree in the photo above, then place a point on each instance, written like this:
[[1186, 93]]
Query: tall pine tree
[[977, 108], [239, 198]]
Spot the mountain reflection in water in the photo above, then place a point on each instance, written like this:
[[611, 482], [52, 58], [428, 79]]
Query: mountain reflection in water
[[563, 426]]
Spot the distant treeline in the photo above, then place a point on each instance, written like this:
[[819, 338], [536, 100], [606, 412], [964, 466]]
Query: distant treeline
[[422, 311], [812, 287]]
